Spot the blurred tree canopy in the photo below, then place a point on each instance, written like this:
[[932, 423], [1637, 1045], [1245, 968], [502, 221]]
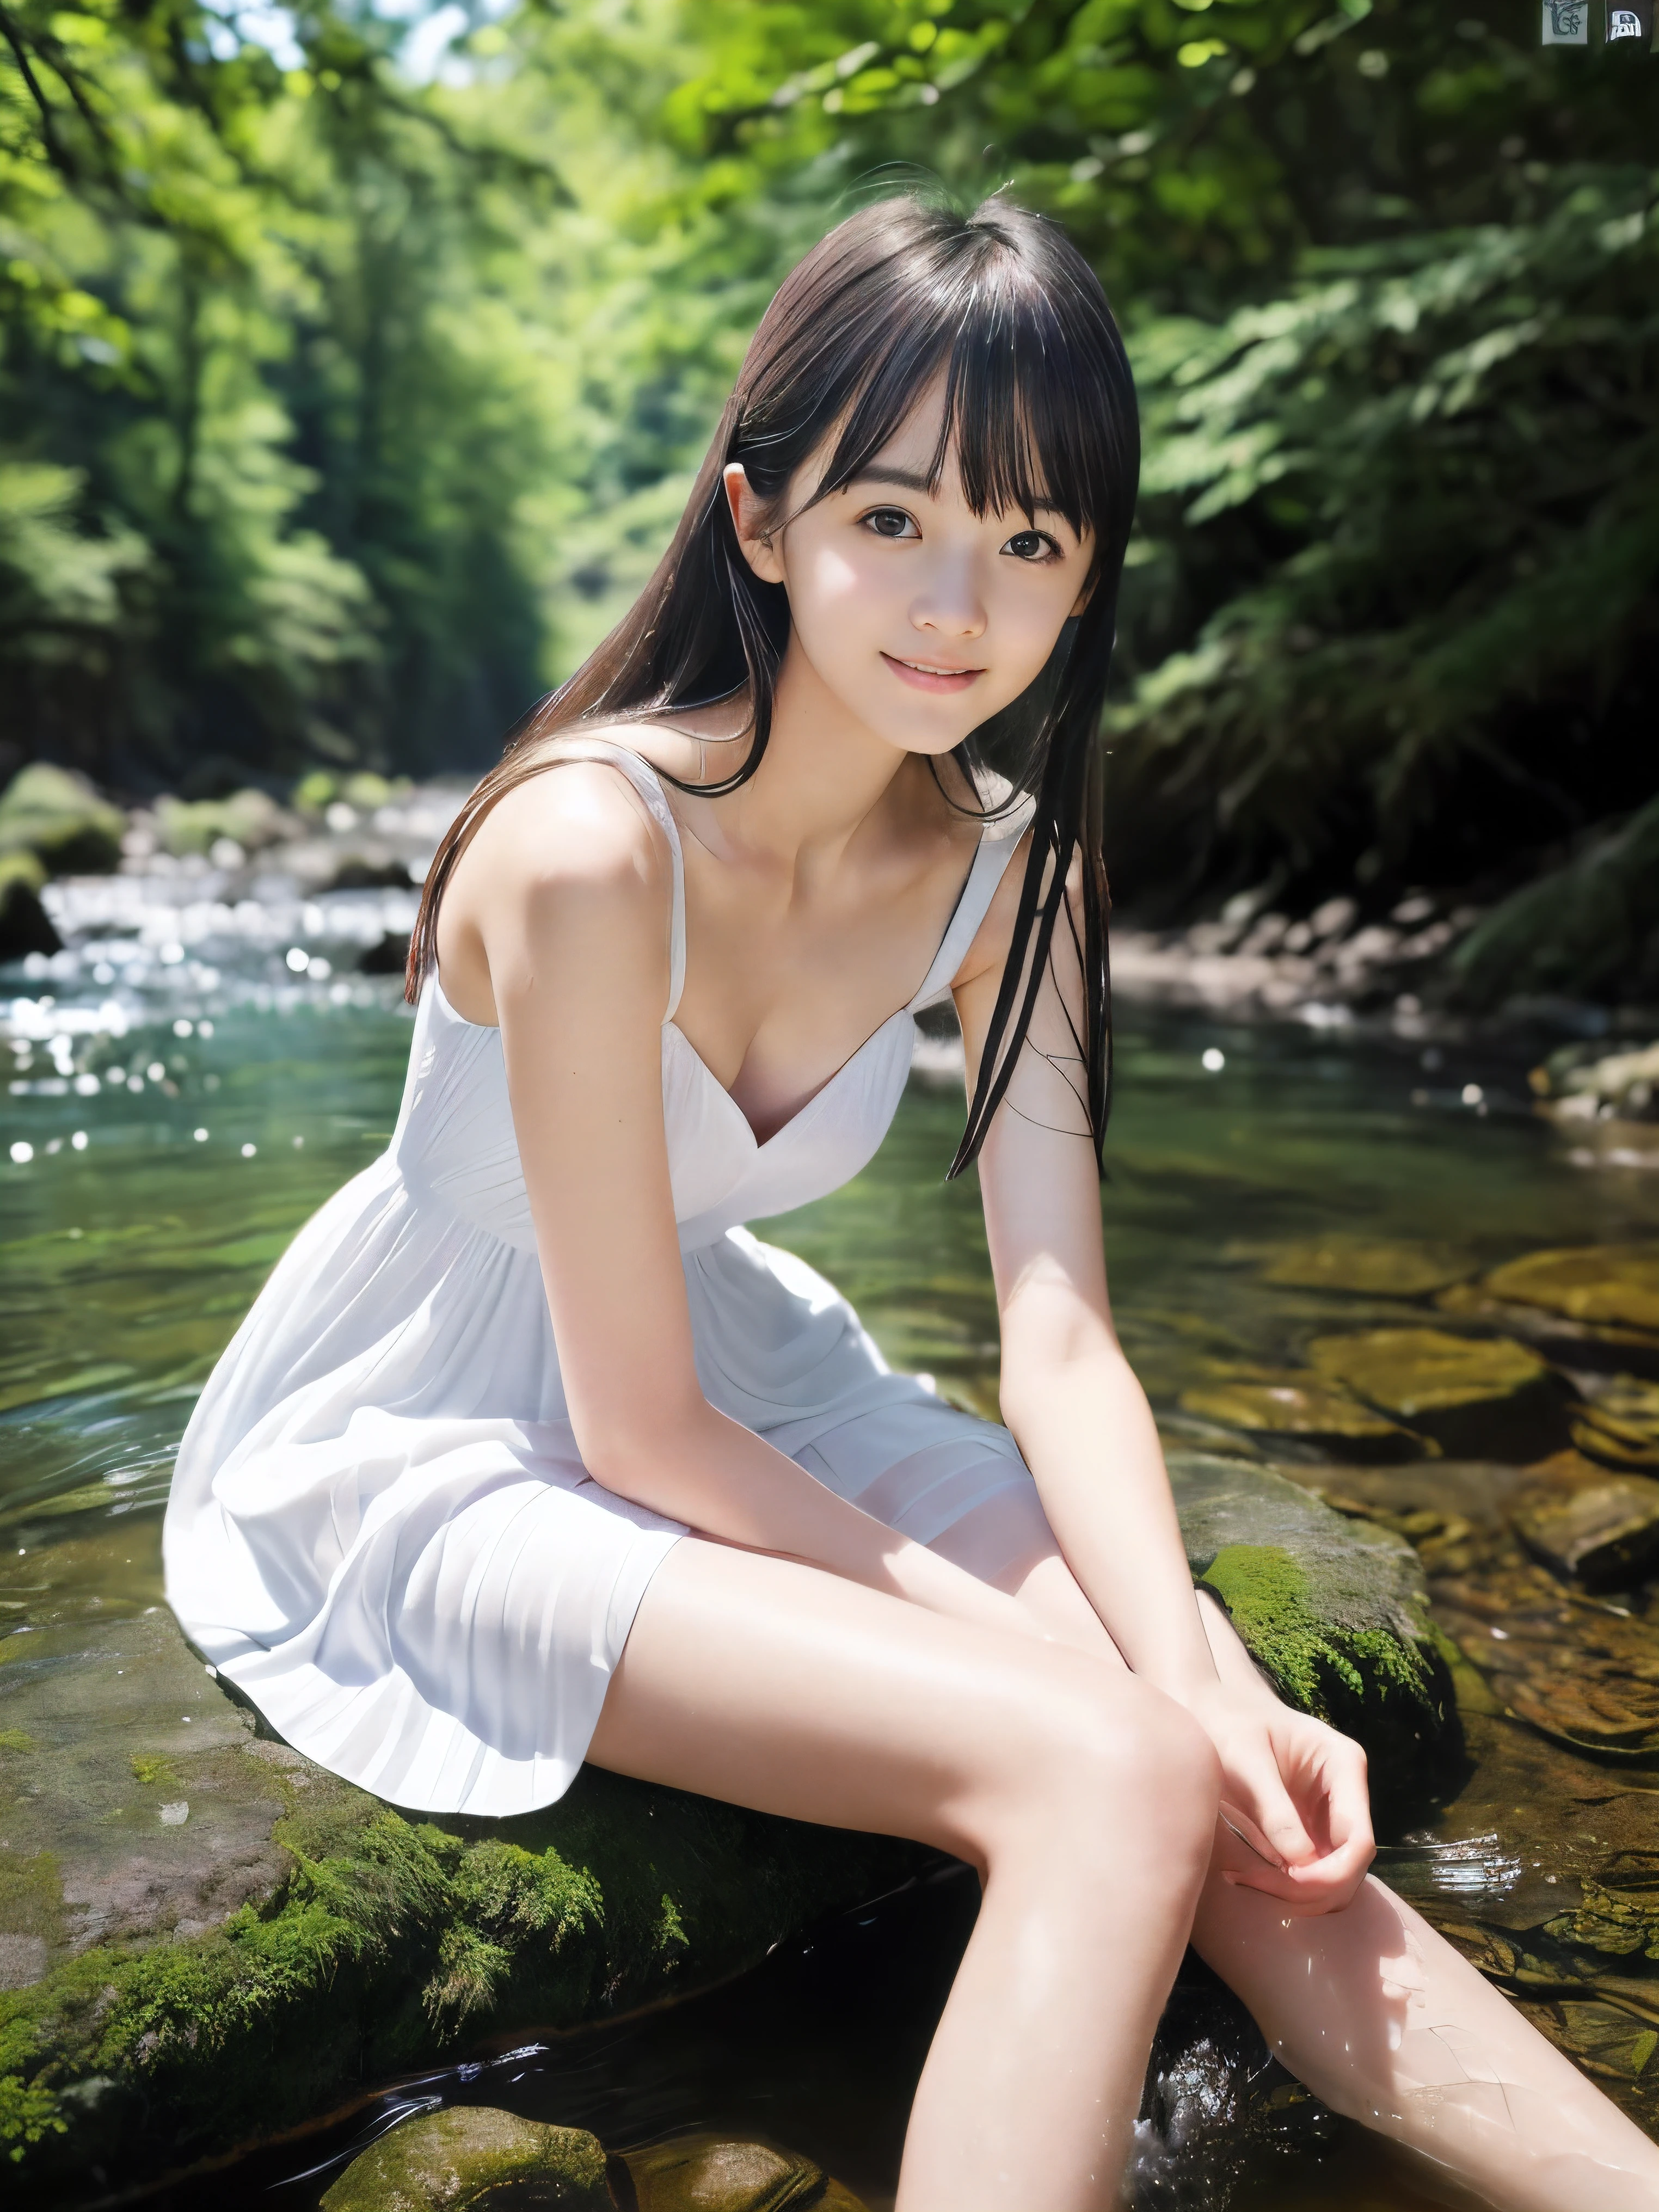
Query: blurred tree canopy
[[340, 412]]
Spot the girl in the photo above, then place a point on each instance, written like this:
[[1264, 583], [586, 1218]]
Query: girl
[[530, 1453]]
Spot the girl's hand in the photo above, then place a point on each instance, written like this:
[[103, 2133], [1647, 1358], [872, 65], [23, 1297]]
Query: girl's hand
[[1295, 1810]]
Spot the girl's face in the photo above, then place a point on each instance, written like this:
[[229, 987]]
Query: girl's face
[[922, 618]]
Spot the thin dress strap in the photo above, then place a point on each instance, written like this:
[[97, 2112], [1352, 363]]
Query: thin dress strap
[[998, 844], [644, 779]]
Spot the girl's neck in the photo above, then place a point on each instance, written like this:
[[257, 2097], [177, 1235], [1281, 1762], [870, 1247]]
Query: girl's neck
[[822, 776]]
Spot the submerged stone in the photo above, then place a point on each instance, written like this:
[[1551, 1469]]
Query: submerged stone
[[463, 2159], [1621, 1430], [1616, 1284], [1578, 1668], [1580, 1347], [1377, 1266], [1588, 1523], [474, 2159], [712, 2174], [1478, 1397], [1306, 1408]]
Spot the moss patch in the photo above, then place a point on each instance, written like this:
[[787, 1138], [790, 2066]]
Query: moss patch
[[389, 1937], [1267, 1594], [1336, 1611]]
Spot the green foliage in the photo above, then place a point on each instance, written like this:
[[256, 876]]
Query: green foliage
[[1388, 279], [1439, 456], [342, 413], [1589, 927]]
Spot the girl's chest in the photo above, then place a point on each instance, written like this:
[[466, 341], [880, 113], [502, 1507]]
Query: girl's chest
[[781, 992]]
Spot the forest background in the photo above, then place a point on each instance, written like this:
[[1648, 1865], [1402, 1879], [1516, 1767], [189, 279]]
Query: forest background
[[357, 363]]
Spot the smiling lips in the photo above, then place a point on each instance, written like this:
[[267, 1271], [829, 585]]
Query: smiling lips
[[930, 676]]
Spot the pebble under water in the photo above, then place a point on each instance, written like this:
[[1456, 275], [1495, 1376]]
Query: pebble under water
[[176, 1108]]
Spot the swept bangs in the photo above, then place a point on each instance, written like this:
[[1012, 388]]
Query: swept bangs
[[1031, 363]]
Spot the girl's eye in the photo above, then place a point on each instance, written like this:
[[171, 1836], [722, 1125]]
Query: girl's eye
[[891, 522], [1031, 546]]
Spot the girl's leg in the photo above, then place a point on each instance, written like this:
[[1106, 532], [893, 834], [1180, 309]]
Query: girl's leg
[[1086, 1800], [1383, 2020], [1369, 2008]]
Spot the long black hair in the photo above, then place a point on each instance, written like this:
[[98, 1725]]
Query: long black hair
[[1039, 408]]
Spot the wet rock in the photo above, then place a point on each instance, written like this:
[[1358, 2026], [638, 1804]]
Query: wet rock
[[1302, 1407], [1335, 1612], [1368, 1267], [292, 1933], [472, 2158], [1616, 1284], [1581, 1668], [709, 2174], [1477, 1397], [60, 819], [1581, 1347], [455, 2160], [1620, 1426], [1589, 1524]]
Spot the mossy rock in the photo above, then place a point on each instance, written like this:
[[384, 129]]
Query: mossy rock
[[1309, 1410], [62, 820], [1388, 1267], [205, 1938], [473, 2159], [1478, 1397], [1337, 1613], [470, 2157], [249, 818], [1616, 1285]]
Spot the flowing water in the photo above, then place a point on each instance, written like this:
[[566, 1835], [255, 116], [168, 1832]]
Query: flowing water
[[170, 1123]]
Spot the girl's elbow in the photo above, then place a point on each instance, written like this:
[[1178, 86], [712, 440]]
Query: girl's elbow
[[632, 1451]]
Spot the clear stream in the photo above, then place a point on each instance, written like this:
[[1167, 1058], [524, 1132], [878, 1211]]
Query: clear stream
[[139, 1216]]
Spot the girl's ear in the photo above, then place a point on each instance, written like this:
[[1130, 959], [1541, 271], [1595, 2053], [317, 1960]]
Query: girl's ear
[[760, 548]]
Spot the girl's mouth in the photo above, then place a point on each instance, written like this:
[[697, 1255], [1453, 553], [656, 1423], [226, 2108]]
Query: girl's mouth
[[932, 675]]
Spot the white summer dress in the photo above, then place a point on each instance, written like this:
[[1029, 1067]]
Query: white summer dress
[[379, 1527]]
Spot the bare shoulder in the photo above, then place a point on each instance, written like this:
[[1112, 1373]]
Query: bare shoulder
[[579, 826], [570, 856]]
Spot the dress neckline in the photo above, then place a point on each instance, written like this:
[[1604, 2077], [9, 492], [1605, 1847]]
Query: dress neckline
[[656, 799]]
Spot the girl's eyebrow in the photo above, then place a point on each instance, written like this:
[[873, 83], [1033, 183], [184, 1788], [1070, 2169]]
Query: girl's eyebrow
[[909, 480]]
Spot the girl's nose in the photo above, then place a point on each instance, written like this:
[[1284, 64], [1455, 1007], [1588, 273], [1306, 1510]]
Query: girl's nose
[[950, 604]]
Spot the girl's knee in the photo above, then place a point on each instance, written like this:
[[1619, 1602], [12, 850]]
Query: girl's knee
[[1096, 1753]]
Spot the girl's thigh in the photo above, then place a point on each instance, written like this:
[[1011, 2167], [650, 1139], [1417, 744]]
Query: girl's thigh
[[772, 1684]]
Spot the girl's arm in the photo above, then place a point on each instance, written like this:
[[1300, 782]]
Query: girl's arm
[[559, 913], [1083, 1423]]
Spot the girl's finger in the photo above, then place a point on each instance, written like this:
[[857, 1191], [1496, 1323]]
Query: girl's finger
[[1327, 1885], [1277, 1811]]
